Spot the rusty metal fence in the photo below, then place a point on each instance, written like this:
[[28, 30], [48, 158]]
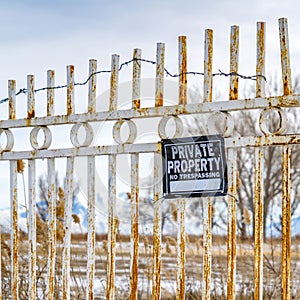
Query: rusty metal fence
[[82, 148]]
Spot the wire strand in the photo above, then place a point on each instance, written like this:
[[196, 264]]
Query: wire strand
[[127, 63]]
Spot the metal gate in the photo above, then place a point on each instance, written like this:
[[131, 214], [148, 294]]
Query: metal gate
[[41, 149]]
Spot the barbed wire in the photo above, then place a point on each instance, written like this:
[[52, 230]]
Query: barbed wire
[[168, 74]]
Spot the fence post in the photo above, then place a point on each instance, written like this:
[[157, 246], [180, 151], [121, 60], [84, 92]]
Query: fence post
[[207, 206]]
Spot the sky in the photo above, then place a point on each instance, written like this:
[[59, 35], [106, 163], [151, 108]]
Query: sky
[[41, 35]]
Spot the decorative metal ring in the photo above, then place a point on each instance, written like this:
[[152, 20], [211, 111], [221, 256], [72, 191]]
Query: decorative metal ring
[[214, 124], [162, 127], [263, 117], [9, 140], [117, 132], [89, 135], [47, 137]]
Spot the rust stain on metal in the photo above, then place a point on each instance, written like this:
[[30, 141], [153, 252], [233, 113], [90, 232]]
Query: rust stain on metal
[[234, 61], [182, 70], [136, 103]]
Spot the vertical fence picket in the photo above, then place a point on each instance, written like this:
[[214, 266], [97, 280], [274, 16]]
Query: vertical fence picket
[[285, 57], [234, 61], [182, 99], [160, 70], [258, 172], [286, 222], [32, 229], [51, 230], [66, 254], [12, 99], [136, 79], [156, 276], [110, 280], [14, 230], [114, 78], [286, 161], [260, 59], [233, 95], [258, 222], [70, 90], [91, 229], [92, 86], [134, 239], [112, 164], [207, 208], [182, 70], [180, 278], [30, 97], [231, 236], [159, 98], [50, 92], [208, 61]]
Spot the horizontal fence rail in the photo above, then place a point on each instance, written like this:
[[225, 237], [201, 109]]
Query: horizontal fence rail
[[51, 262]]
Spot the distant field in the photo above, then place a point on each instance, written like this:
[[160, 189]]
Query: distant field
[[193, 267]]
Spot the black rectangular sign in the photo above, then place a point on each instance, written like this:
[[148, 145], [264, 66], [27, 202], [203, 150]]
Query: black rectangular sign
[[194, 167]]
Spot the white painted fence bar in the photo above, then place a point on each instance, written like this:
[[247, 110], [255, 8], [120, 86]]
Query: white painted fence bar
[[70, 90], [134, 179], [234, 63], [114, 80], [151, 112], [285, 57], [160, 72], [30, 97], [260, 59], [258, 222], [157, 221], [231, 233], [134, 240], [32, 228], [207, 205], [111, 254], [50, 92], [51, 230], [66, 255], [286, 222], [14, 237], [12, 99], [259, 168], [92, 86], [91, 243]]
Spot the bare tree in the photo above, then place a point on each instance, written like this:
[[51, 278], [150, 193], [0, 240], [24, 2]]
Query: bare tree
[[246, 125]]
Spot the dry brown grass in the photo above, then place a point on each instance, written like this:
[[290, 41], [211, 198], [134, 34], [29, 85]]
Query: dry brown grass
[[194, 266]]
